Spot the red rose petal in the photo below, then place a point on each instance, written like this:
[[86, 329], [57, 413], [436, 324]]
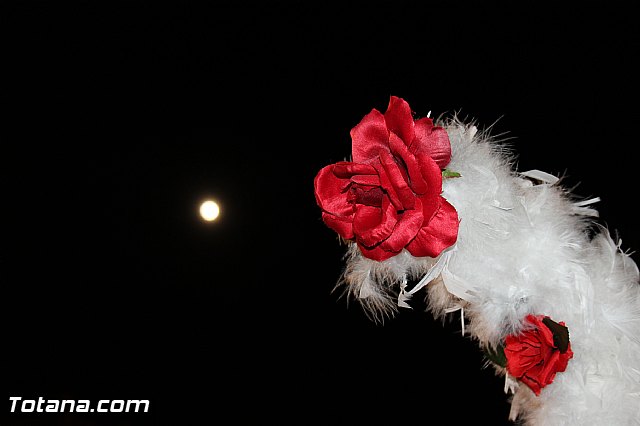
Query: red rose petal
[[344, 227], [346, 170], [331, 194], [431, 198], [440, 233], [399, 119], [398, 183], [372, 225], [563, 361], [406, 228], [532, 383], [411, 165], [369, 137], [545, 335], [376, 253], [366, 180], [548, 368], [385, 183], [432, 141], [367, 195]]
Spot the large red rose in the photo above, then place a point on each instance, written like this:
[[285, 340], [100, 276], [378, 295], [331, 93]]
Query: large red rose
[[534, 356], [388, 197]]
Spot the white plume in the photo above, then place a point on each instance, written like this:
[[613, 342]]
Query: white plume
[[525, 245]]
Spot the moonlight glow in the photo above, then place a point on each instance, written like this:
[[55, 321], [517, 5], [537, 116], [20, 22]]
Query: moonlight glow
[[209, 210]]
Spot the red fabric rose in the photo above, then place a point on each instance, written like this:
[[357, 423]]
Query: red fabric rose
[[536, 355], [388, 197]]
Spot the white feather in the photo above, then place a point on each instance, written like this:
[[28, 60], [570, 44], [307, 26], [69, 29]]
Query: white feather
[[524, 247]]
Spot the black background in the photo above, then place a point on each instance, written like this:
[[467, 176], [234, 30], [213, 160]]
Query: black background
[[122, 117]]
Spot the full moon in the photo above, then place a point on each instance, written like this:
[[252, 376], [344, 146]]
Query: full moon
[[209, 210]]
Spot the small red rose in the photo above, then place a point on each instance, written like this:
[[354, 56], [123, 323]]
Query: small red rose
[[389, 197], [537, 354]]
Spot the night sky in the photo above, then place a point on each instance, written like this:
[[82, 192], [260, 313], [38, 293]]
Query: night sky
[[123, 117]]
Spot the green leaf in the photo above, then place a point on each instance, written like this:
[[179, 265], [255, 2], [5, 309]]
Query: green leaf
[[496, 355], [560, 334], [446, 173]]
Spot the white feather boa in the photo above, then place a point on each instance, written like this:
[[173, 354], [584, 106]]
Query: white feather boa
[[525, 245]]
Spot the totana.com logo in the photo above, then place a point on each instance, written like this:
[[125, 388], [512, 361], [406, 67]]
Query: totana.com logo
[[42, 405]]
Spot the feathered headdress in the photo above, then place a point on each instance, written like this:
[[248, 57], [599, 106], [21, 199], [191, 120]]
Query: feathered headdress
[[548, 295]]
